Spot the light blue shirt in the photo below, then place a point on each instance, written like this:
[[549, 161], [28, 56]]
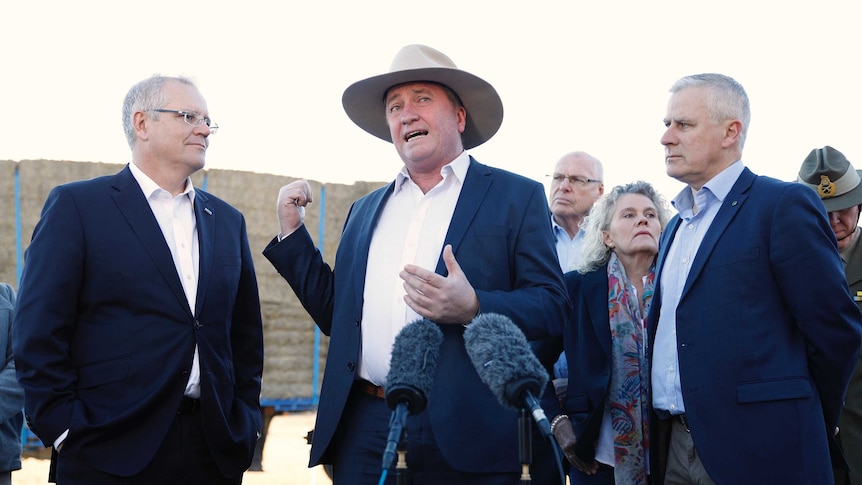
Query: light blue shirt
[[666, 387], [569, 249]]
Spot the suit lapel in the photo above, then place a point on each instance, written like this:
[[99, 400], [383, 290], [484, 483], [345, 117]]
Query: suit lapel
[[728, 210], [596, 286], [136, 210], [666, 240], [366, 218], [205, 223], [476, 185], [667, 235]]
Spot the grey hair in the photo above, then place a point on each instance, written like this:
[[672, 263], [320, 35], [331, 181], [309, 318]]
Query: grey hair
[[146, 95], [726, 98], [595, 252]]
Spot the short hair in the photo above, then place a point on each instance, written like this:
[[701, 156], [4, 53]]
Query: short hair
[[146, 95], [595, 252], [726, 98]]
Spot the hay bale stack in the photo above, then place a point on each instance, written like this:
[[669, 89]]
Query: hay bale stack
[[7, 223]]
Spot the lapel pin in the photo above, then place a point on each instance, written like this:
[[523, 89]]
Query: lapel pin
[[733, 203], [208, 211]]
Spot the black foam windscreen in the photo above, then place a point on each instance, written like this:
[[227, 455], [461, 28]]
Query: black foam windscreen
[[503, 359], [413, 365]]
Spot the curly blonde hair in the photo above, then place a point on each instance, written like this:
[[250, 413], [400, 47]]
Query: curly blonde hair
[[595, 252]]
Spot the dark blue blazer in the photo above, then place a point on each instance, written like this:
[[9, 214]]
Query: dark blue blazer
[[587, 342], [767, 336], [104, 336], [502, 239]]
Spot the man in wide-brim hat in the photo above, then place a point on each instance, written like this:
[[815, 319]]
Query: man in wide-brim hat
[[828, 172], [447, 239]]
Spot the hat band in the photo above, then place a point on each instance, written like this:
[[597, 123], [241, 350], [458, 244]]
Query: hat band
[[827, 188]]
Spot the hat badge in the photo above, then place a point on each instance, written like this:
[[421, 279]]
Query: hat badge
[[826, 188]]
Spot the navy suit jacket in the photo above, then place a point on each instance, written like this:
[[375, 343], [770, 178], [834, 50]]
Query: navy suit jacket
[[767, 336], [502, 239], [104, 336], [587, 342]]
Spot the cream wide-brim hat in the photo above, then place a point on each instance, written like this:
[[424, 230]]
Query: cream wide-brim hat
[[828, 172], [363, 100]]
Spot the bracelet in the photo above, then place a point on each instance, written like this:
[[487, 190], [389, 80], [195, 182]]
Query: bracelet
[[557, 420]]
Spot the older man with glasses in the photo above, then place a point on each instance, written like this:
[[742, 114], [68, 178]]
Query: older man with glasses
[[138, 334], [576, 184]]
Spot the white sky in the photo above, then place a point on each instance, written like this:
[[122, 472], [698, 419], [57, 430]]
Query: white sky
[[572, 75]]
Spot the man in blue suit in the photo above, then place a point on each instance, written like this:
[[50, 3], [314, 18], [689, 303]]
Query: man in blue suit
[[449, 238], [753, 331], [138, 334]]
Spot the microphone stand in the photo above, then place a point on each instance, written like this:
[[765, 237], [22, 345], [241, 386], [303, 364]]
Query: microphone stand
[[402, 473], [525, 446]]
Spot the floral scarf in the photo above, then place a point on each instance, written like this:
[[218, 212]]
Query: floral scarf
[[628, 397]]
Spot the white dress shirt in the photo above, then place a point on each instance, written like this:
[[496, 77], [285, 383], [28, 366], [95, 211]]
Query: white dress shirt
[[411, 230], [176, 217]]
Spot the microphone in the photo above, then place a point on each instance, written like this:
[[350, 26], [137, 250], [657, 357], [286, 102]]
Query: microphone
[[504, 361], [412, 369]]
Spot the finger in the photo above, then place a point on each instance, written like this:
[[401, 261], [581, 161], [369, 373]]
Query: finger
[[306, 192], [416, 275], [287, 197], [297, 199], [413, 288], [452, 265], [301, 199], [296, 193]]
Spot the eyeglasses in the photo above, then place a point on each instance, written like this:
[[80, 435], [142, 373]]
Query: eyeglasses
[[576, 180], [192, 119]]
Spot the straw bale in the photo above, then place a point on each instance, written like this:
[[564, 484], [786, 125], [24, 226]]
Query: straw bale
[[8, 257], [38, 177]]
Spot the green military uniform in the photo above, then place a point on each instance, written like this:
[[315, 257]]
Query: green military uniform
[[850, 424], [839, 185]]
